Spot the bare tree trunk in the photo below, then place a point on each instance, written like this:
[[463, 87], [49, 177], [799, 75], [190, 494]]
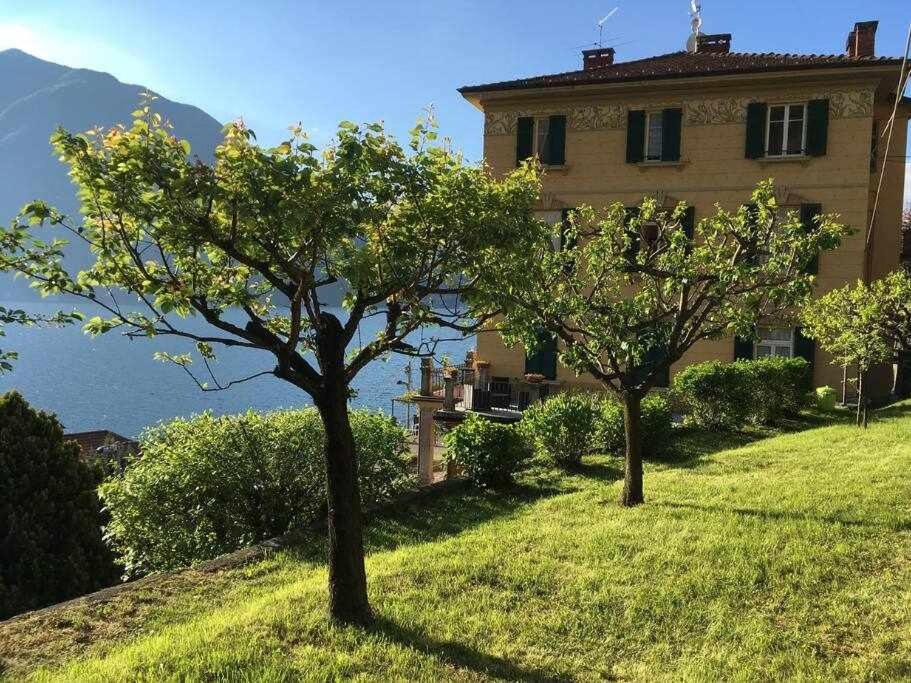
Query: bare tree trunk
[[860, 397], [632, 425], [348, 601]]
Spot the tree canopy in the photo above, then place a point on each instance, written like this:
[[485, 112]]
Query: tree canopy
[[251, 243], [863, 325], [628, 292]]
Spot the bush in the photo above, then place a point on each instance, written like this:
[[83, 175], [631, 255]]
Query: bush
[[826, 398], [208, 485], [656, 428], [50, 517], [563, 426], [714, 395], [488, 452], [778, 387], [718, 395]]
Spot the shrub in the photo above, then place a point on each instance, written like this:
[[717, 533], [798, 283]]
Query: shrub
[[656, 426], [777, 387], [50, 517], [208, 485], [714, 395], [488, 452], [563, 426], [718, 395], [826, 398]]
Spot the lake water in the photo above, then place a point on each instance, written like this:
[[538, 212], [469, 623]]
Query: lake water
[[111, 382]]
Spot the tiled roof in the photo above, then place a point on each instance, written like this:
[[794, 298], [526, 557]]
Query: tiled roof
[[90, 442], [685, 65]]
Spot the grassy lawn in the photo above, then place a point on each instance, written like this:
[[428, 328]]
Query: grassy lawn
[[755, 557]]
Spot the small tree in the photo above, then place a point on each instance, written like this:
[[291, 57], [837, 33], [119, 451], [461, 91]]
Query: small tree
[[252, 243], [863, 326], [50, 517], [628, 293]]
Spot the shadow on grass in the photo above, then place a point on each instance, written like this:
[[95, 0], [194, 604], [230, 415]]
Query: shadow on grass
[[691, 446], [459, 655], [602, 471], [431, 519], [783, 515]]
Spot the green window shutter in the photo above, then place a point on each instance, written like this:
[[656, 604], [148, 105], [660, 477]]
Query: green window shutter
[[525, 134], [556, 141], [632, 249], [805, 348], [817, 127], [567, 241], [743, 348], [808, 214], [753, 213], [655, 356], [544, 360], [670, 134], [688, 222], [756, 120], [635, 137]]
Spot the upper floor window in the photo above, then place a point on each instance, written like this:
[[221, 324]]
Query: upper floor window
[[786, 130], [653, 136], [543, 137]]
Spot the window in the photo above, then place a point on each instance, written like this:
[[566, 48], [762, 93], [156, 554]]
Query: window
[[543, 137], [775, 342], [542, 129], [653, 138], [786, 130]]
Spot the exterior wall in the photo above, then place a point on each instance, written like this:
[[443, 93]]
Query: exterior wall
[[713, 170]]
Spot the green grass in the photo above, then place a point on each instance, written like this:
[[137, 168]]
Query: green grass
[[755, 557]]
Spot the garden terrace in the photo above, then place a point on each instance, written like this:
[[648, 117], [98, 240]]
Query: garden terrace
[[757, 555]]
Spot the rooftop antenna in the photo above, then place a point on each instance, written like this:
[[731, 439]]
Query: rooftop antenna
[[695, 24], [601, 25]]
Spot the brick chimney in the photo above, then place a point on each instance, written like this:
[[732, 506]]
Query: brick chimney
[[716, 43], [862, 40], [595, 59]]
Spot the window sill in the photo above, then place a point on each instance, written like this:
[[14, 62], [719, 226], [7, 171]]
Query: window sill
[[661, 164], [555, 168], [792, 158]]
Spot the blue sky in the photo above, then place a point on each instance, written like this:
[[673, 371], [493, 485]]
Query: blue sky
[[276, 62]]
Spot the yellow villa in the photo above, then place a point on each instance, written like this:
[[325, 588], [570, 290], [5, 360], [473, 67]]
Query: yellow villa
[[705, 126]]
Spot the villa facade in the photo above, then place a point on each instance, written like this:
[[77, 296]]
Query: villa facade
[[704, 127]]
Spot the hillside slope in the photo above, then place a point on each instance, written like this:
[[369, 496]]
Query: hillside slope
[[774, 558], [35, 98]]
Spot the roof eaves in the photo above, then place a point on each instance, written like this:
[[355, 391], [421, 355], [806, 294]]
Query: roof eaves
[[562, 80]]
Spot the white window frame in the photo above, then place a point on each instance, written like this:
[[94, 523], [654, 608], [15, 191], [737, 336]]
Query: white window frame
[[536, 149], [648, 135], [774, 344], [786, 129]]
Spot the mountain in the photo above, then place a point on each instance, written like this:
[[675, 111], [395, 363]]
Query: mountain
[[38, 96]]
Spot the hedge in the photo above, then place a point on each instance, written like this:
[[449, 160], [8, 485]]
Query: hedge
[[208, 485]]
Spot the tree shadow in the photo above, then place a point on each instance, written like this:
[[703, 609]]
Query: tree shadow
[[429, 519], [784, 515], [459, 655], [691, 446], [603, 471]]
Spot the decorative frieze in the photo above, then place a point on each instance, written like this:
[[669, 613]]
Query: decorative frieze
[[843, 104], [604, 117], [717, 110]]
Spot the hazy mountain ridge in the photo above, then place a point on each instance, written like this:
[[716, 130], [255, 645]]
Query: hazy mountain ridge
[[36, 97]]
